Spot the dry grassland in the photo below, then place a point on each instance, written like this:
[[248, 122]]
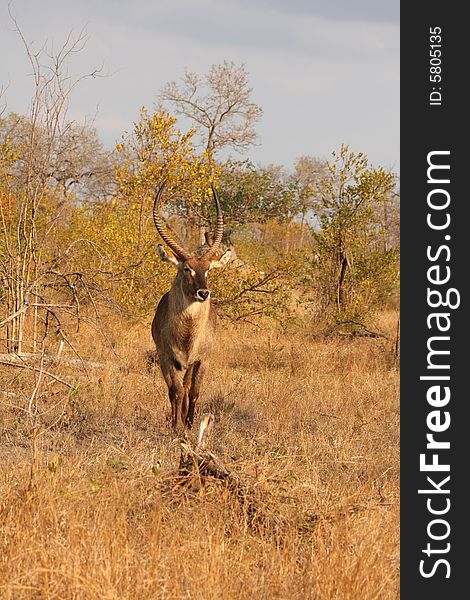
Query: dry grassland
[[91, 506]]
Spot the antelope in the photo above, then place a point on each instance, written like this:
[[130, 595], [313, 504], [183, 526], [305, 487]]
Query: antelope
[[184, 324]]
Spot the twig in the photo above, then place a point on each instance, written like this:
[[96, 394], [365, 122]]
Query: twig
[[397, 341], [253, 288], [325, 414], [37, 370], [368, 332], [205, 431], [16, 314], [24, 356]]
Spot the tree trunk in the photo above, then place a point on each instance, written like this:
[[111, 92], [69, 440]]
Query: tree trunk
[[343, 261]]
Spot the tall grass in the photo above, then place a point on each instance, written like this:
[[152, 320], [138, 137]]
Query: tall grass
[[91, 508]]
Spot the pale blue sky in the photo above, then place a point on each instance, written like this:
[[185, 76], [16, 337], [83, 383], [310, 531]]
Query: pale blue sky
[[325, 73]]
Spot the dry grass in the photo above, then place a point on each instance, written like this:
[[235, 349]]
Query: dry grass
[[90, 507]]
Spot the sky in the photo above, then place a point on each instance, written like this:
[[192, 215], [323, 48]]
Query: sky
[[324, 73]]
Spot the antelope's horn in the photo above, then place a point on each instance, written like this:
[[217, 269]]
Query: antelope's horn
[[160, 225], [219, 231]]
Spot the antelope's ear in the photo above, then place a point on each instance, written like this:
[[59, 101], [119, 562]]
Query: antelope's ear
[[220, 261], [167, 257]]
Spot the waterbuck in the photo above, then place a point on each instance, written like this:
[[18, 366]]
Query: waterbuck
[[183, 328]]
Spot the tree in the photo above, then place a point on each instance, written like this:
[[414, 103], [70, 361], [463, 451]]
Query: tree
[[155, 151], [308, 174], [349, 206], [252, 194], [220, 109], [34, 257], [218, 104], [72, 162]]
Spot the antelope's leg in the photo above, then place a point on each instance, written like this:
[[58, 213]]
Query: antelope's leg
[[197, 375], [173, 379], [186, 388]]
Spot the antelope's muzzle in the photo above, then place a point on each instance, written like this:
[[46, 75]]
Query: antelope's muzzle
[[203, 294]]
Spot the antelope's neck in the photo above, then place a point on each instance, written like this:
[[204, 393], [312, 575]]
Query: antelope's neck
[[189, 322], [187, 309]]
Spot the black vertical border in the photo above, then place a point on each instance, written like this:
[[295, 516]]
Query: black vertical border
[[426, 128]]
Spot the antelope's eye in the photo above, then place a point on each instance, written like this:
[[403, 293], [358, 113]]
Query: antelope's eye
[[187, 270]]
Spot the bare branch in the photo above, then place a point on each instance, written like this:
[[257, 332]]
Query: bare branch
[[219, 103], [12, 363]]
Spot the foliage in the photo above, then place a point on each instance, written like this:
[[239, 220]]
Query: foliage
[[126, 267], [307, 176], [157, 151], [255, 195], [69, 160], [355, 267], [37, 170], [122, 229], [76, 221]]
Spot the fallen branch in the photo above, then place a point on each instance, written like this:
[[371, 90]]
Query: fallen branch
[[198, 463], [326, 414], [202, 462], [366, 332], [12, 363], [22, 357]]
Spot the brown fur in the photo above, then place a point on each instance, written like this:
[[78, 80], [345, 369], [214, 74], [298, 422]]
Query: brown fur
[[183, 330]]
